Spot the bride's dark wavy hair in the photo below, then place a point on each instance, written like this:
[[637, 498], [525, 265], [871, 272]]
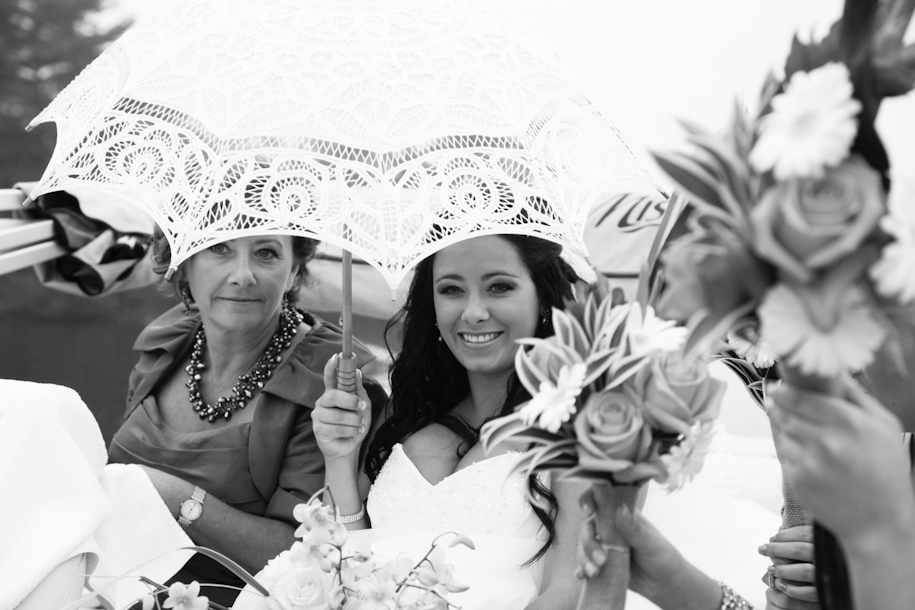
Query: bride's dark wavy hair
[[427, 381]]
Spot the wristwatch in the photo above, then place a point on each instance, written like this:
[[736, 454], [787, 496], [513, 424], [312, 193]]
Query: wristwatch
[[192, 508]]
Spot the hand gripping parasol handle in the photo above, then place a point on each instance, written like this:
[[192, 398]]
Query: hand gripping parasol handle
[[346, 373]]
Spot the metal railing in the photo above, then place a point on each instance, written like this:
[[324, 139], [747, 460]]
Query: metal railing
[[23, 243]]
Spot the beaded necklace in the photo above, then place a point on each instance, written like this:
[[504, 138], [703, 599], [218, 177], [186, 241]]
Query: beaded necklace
[[250, 382]]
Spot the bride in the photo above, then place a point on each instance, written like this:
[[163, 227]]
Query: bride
[[420, 466]]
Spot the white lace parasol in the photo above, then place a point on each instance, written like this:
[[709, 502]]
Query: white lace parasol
[[390, 128]]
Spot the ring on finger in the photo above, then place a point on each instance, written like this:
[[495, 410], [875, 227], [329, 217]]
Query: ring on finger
[[772, 581]]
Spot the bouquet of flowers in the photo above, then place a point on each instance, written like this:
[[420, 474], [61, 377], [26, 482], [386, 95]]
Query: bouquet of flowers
[[797, 245], [320, 572], [794, 224], [615, 401]]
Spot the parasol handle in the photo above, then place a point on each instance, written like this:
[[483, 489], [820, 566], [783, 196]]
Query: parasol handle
[[346, 364], [346, 374]]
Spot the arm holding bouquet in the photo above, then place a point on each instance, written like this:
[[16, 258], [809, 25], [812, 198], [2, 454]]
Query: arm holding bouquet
[[659, 572], [794, 203], [663, 576], [856, 480]]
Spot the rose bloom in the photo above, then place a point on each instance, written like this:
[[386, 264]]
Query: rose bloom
[[714, 271], [611, 432], [805, 225], [304, 589], [678, 392]]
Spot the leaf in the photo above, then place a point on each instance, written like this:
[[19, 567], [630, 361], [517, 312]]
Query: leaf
[[580, 473], [674, 216], [597, 364], [534, 460], [895, 74], [626, 368], [590, 316], [733, 172], [804, 58], [501, 429], [528, 373], [712, 327], [893, 20], [748, 375], [856, 30], [549, 452], [569, 332], [690, 177]]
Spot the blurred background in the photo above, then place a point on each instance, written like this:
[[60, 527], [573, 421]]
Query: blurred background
[[646, 64]]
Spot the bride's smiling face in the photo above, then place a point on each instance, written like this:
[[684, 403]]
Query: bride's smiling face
[[485, 300]]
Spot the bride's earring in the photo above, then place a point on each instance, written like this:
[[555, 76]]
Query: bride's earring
[[439, 333]]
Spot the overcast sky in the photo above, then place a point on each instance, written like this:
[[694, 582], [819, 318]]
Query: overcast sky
[[647, 63]]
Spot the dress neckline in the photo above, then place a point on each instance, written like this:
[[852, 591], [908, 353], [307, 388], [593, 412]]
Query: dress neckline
[[398, 447]]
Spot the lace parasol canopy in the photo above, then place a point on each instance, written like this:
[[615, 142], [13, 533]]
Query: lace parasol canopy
[[390, 128]]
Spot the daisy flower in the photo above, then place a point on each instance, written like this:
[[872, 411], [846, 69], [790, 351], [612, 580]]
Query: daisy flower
[[555, 404], [894, 272], [786, 325], [649, 333], [811, 127], [685, 460], [747, 344]]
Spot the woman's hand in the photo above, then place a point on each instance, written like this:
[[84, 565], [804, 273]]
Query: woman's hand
[[341, 420], [844, 458], [658, 571], [792, 576]]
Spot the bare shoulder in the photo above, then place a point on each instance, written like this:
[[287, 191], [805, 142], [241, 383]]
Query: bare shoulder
[[434, 451]]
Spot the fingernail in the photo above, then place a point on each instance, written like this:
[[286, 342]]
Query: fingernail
[[361, 429], [599, 557], [335, 358], [361, 405], [590, 569], [762, 549], [771, 569], [781, 587]]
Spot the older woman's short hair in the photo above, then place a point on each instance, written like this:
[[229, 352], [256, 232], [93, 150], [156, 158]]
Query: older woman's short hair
[[303, 249]]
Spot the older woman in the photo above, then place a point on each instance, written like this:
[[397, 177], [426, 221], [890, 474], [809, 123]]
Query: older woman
[[219, 404]]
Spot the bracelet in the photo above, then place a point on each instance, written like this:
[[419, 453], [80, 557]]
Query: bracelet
[[732, 601], [349, 518]]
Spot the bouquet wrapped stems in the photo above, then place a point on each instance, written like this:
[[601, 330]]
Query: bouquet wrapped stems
[[606, 590], [832, 578]]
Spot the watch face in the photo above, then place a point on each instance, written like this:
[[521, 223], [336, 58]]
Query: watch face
[[191, 509]]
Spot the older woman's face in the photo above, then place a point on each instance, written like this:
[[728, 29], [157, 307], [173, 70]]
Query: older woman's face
[[239, 284]]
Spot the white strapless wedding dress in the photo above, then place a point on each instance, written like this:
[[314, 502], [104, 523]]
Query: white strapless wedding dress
[[481, 501]]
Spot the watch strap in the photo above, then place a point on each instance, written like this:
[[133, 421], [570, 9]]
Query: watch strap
[[199, 494]]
